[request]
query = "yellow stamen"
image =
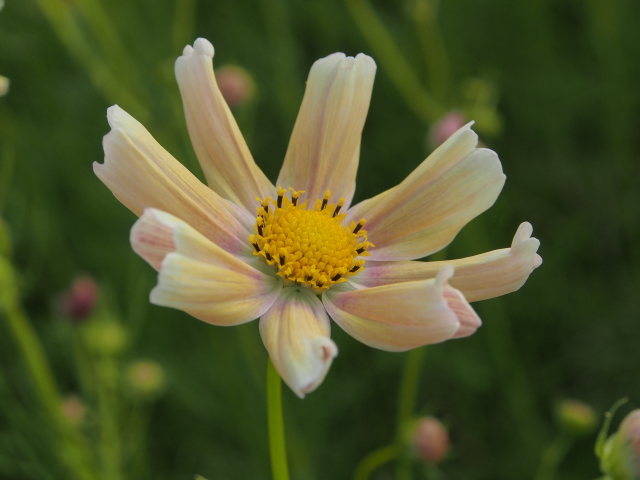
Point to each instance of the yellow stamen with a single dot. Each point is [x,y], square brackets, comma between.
[311,248]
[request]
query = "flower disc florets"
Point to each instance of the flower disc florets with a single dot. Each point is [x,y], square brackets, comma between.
[309,247]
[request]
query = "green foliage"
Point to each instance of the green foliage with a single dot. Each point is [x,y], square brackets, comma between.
[562,75]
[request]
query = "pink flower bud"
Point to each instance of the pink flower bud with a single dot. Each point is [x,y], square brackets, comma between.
[235,84]
[73,409]
[630,433]
[431,440]
[446,126]
[78,302]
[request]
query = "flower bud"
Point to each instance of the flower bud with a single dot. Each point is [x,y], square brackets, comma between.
[73,409]
[78,302]
[235,84]
[445,127]
[576,416]
[106,337]
[4,86]
[145,377]
[430,440]
[621,455]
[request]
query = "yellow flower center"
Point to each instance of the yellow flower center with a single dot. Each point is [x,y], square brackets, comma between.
[309,247]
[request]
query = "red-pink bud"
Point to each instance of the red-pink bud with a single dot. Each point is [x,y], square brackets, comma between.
[78,302]
[446,126]
[430,440]
[235,84]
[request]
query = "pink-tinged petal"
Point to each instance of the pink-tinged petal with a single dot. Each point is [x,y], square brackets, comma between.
[296,332]
[324,149]
[210,284]
[468,318]
[396,317]
[480,277]
[421,215]
[152,236]
[142,174]
[220,147]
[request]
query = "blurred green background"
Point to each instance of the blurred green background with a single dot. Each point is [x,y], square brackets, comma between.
[553,87]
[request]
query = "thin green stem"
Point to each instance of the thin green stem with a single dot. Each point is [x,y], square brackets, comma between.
[69,444]
[390,57]
[553,455]
[61,18]
[281,40]
[409,388]
[184,19]
[407,405]
[375,460]
[277,445]
[425,16]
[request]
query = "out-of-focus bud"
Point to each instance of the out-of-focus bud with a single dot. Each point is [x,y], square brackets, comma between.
[480,99]
[106,337]
[620,459]
[74,409]
[445,127]
[576,416]
[145,377]
[235,84]
[4,86]
[78,302]
[430,440]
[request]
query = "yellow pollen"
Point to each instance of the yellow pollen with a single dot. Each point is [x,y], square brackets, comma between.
[309,247]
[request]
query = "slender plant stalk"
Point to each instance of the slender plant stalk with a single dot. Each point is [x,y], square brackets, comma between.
[281,40]
[390,57]
[101,75]
[184,19]
[425,16]
[277,445]
[69,444]
[375,460]
[407,405]
[553,455]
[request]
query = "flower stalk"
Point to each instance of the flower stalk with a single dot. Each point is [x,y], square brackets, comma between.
[70,447]
[277,444]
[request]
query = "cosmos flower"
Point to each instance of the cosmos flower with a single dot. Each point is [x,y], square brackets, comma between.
[298,252]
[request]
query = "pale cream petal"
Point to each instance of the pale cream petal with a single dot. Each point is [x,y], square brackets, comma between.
[424,213]
[480,277]
[220,147]
[324,148]
[296,332]
[396,317]
[142,174]
[210,284]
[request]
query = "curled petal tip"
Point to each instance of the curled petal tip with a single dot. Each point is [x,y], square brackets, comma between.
[203,47]
[525,230]
[187,51]
[326,350]
[537,261]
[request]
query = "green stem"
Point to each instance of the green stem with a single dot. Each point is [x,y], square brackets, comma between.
[425,16]
[276,425]
[553,455]
[390,57]
[375,460]
[407,404]
[281,40]
[69,444]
